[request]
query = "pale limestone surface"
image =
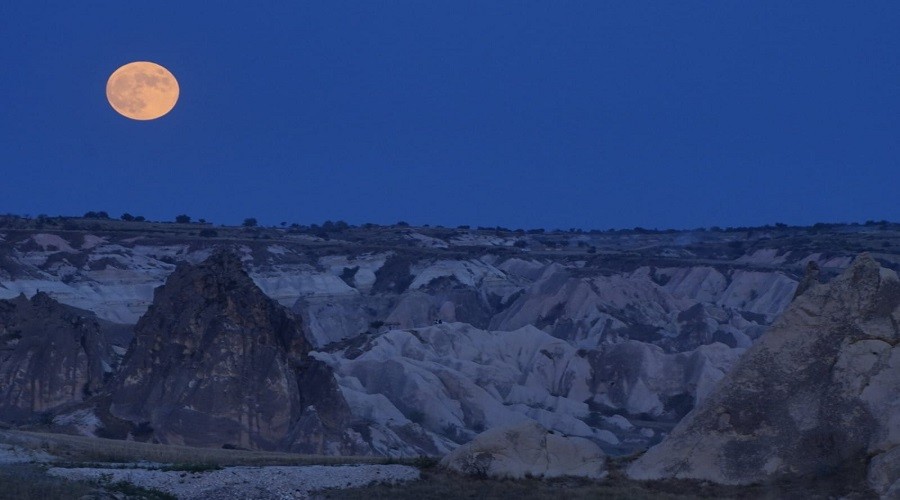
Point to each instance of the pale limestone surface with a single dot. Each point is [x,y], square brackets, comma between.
[528,449]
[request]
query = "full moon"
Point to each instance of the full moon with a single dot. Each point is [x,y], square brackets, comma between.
[142,90]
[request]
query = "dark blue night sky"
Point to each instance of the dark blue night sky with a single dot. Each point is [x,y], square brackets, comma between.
[522,114]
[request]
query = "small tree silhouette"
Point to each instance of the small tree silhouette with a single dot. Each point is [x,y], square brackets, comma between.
[250,222]
[183,219]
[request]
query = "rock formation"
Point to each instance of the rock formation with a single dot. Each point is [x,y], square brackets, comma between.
[454,381]
[50,355]
[640,379]
[590,332]
[818,396]
[214,362]
[810,277]
[527,449]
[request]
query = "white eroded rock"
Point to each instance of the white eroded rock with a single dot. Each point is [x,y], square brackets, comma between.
[528,449]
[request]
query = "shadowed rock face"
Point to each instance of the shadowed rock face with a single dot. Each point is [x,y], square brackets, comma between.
[816,396]
[215,362]
[642,380]
[50,355]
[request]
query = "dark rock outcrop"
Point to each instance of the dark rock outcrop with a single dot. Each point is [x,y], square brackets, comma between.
[810,278]
[51,355]
[214,362]
[818,396]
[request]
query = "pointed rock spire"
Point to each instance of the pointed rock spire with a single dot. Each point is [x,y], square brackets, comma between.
[215,362]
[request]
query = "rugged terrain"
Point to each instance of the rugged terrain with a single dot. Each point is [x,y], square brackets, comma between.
[433,335]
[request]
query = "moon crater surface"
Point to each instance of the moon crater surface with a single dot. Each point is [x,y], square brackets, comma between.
[142,90]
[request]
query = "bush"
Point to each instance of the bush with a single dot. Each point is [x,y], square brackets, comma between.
[335,226]
[476,464]
[183,219]
[250,222]
[127,217]
[425,462]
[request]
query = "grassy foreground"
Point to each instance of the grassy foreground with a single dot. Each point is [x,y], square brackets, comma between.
[439,484]
[24,481]
[92,449]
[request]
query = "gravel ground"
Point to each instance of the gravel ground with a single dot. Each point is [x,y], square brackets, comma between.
[272,482]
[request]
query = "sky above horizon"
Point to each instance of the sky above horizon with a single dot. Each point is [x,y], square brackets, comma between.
[527,114]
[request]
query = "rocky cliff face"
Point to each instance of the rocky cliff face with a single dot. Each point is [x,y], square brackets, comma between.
[51,355]
[816,396]
[214,362]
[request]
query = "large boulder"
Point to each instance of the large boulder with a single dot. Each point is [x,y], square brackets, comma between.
[527,449]
[815,397]
[215,362]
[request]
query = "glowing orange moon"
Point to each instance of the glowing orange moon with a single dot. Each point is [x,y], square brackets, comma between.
[142,90]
